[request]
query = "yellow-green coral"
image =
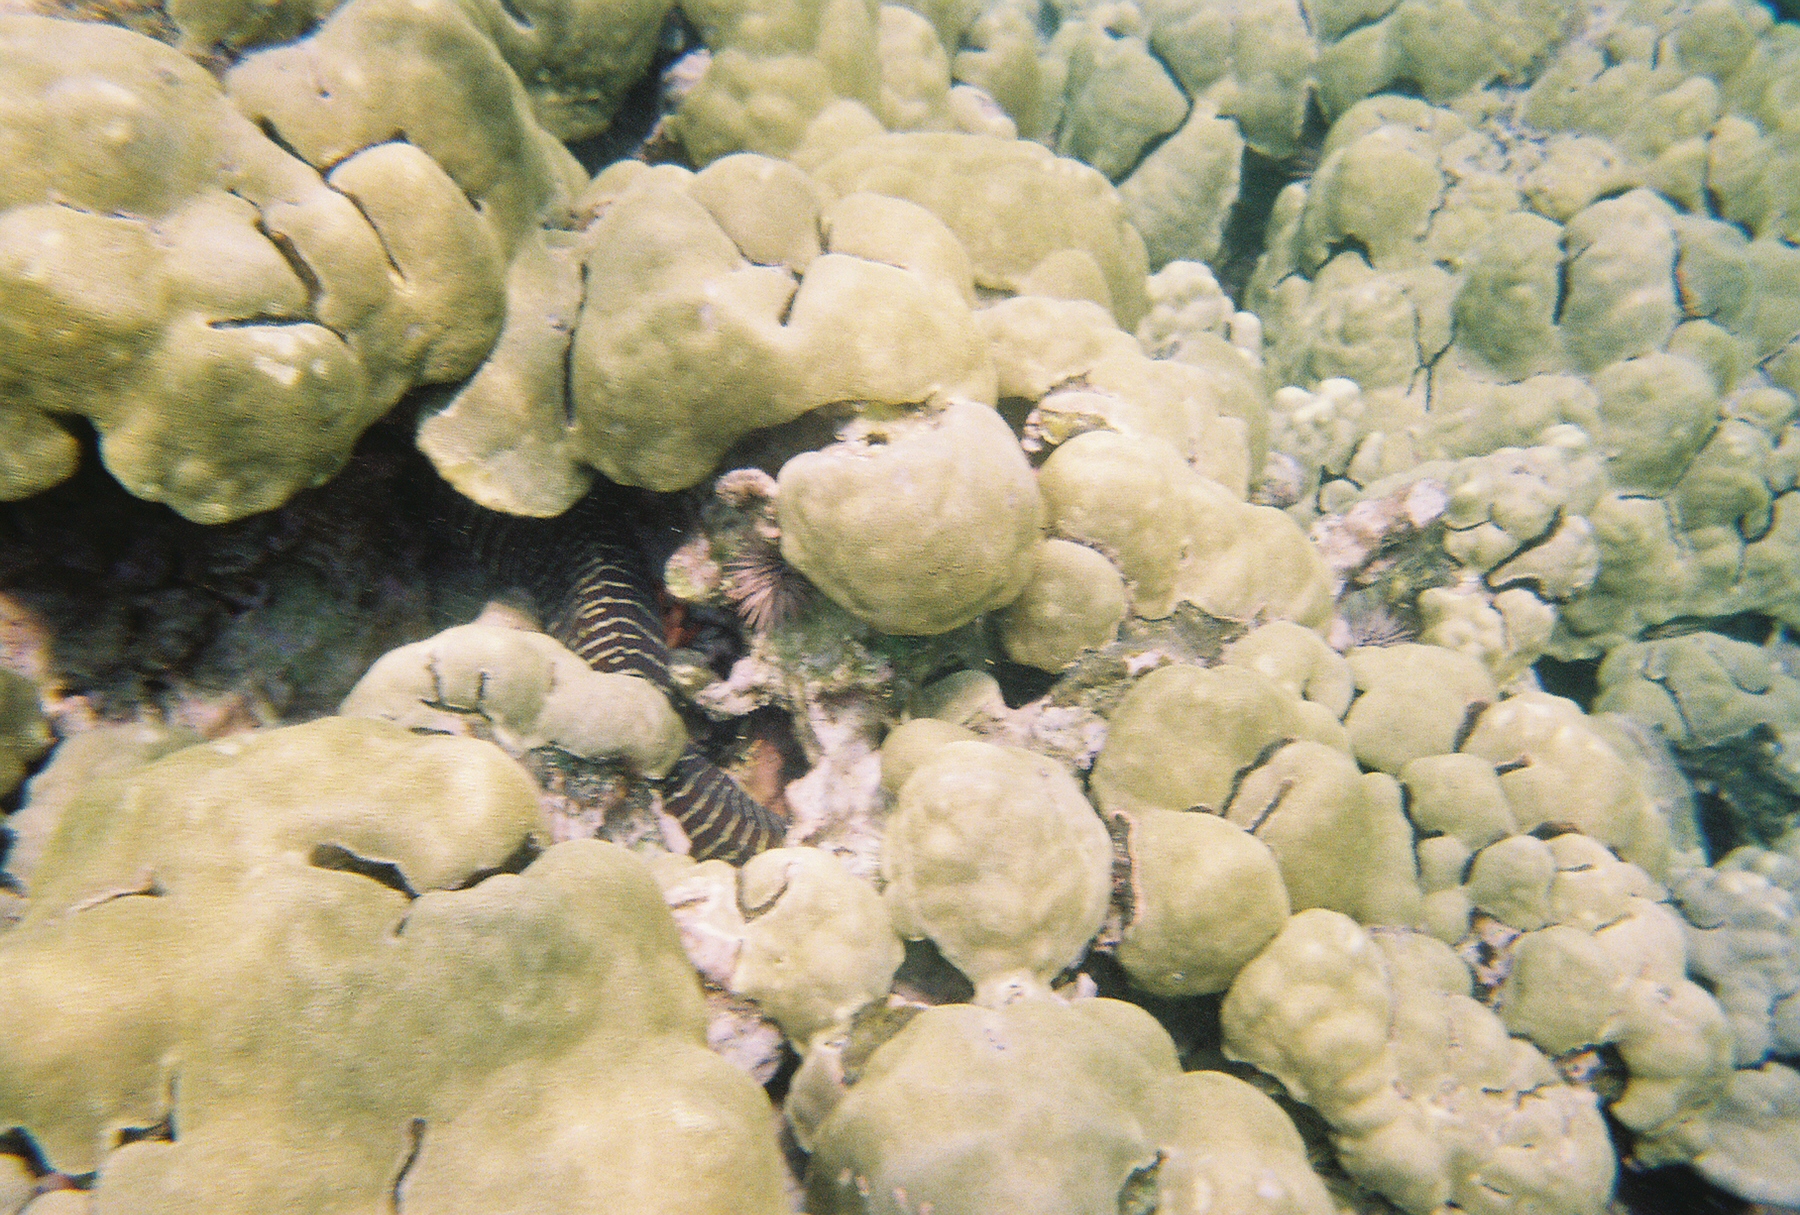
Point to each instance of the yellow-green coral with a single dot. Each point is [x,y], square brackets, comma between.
[1054,1108]
[1074,601]
[305,951]
[710,305]
[1182,734]
[1603,961]
[1340,835]
[1414,701]
[776,65]
[1034,212]
[995,855]
[1743,939]
[229,317]
[1744,1142]
[1206,896]
[818,944]
[1569,311]
[1561,770]
[1429,1101]
[24,734]
[523,690]
[1178,536]
[1083,373]
[916,526]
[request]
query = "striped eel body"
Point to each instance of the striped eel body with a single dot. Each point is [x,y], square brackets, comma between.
[593,585]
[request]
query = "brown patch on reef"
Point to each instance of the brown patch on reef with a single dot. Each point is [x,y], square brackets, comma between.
[582,799]
[678,630]
[1099,678]
[770,758]
[147,17]
[761,774]
[1364,619]
[24,641]
[1487,950]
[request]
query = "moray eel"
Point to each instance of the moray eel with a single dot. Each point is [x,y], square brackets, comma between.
[594,586]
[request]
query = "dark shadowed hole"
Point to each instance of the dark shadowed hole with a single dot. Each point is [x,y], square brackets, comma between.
[777,1085]
[770,448]
[1578,680]
[1016,410]
[261,320]
[274,136]
[1260,179]
[341,859]
[1673,1190]
[1138,1196]
[1192,1022]
[1551,830]
[11,802]
[1562,283]
[1720,830]
[1349,244]
[569,404]
[638,110]
[1753,627]
[162,1132]
[517,861]
[1471,715]
[796,1156]
[925,972]
[17,1142]
[1245,235]
[1676,1190]
[1020,684]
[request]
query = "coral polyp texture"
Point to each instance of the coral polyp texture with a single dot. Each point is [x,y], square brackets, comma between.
[253,945]
[1171,606]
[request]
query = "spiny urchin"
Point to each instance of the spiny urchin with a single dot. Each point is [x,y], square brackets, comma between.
[1364,620]
[766,591]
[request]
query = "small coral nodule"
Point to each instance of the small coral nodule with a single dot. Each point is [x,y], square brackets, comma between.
[766,591]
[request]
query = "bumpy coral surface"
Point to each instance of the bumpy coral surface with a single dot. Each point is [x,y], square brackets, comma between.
[524,691]
[1041,1106]
[1430,1102]
[997,857]
[1347,645]
[271,948]
[1743,933]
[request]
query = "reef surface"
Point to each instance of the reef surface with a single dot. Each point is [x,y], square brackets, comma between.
[1015,605]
